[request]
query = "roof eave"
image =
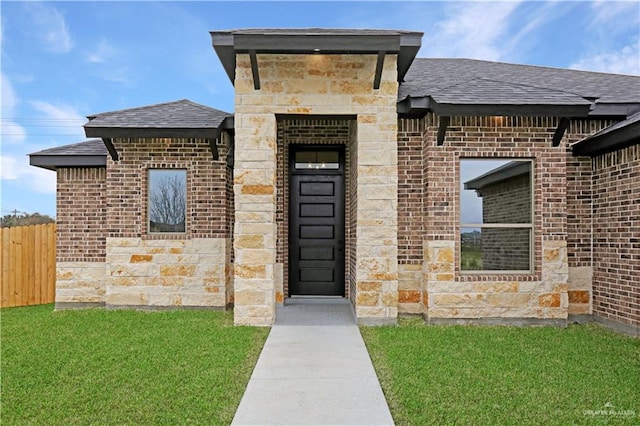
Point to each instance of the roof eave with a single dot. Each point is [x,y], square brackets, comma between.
[517,168]
[420,105]
[608,110]
[608,142]
[513,110]
[142,132]
[54,162]
[227,45]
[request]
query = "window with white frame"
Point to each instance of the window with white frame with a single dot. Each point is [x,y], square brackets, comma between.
[167,190]
[496,215]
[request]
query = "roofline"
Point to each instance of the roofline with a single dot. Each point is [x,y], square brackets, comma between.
[507,171]
[54,162]
[227,44]
[601,143]
[138,132]
[161,104]
[420,105]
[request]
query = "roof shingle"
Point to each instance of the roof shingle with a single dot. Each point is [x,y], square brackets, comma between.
[182,114]
[433,77]
[88,147]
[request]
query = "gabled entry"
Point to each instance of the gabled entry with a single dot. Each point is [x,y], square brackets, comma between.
[316,221]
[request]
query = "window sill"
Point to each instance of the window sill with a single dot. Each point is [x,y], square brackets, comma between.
[497,276]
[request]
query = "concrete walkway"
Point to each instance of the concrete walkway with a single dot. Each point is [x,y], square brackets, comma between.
[314,370]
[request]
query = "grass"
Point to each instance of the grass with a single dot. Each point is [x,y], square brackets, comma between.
[123,367]
[470,257]
[453,375]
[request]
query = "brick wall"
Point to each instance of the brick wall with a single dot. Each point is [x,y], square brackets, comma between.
[579,217]
[127,186]
[495,137]
[410,215]
[541,294]
[81,215]
[81,219]
[616,235]
[182,269]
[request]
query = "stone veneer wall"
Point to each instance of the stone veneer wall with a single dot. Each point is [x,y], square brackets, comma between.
[315,85]
[81,236]
[456,297]
[616,237]
[308,132]
[165,270]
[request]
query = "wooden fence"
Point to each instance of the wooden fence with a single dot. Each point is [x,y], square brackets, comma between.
[28,263]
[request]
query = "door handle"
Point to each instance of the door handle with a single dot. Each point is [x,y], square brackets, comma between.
[340,247]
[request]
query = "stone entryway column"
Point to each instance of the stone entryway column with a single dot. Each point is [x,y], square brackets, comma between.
[377,216]
[316,85]
[255,213]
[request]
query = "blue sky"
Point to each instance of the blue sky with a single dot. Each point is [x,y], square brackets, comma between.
[62,61]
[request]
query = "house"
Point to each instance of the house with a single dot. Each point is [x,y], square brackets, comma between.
[350,168]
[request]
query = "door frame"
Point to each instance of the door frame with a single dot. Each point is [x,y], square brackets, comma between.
[341,171]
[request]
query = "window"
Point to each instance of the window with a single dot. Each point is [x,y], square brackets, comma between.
[167,200]
[317,160]
[496,215]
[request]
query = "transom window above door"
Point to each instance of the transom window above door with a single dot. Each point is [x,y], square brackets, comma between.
[321,159]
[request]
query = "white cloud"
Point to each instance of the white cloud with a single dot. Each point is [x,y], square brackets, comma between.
[34,178]
[623,61]
[106,53]
[472,30]
[621,13]
[63,119]
[12,132]
[103,53]
[49,25]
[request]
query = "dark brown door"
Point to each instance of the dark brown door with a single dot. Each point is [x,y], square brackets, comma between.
[316,234]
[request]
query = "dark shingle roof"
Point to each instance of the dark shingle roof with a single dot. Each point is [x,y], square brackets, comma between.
[314,31]
[89,147]
[90,153]
[182,114]
[450,77]
[487,91]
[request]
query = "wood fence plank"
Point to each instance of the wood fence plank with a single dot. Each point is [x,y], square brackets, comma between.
[51,263]
[47,287]
[4,232]
[37,264]
[24,248]
[28,265]
[24,266]
[16,248]
[12,268]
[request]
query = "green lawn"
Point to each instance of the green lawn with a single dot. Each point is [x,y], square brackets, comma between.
[470,257]
[123,367]
[584,374]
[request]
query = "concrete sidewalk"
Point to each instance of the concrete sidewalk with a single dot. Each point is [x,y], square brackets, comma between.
[314,370]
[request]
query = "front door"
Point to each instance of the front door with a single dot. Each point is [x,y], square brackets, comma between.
[316,230]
